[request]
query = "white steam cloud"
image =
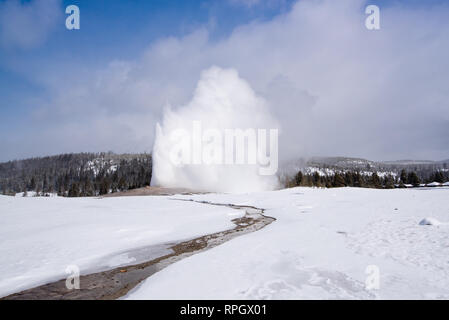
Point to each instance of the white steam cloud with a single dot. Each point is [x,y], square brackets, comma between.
[222,101]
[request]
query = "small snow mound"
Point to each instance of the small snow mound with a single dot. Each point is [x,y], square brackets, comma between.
[434,184]
[429,222]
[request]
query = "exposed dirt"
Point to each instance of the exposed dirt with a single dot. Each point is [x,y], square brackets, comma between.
[116,283]
[152,191]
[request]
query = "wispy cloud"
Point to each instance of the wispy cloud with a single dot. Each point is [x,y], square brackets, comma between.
[246,3]
[27,24]
[335,87]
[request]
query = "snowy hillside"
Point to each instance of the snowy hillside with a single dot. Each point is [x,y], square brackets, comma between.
[330,165]
[76,174]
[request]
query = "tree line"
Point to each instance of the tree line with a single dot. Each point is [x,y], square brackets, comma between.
[75,175]
[350,178]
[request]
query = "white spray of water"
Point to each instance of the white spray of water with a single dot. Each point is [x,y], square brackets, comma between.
[222,101]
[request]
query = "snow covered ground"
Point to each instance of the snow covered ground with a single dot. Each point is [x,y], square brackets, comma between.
[325,244]
[41,236]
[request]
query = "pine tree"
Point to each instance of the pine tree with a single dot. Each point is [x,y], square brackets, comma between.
[104,187]
[298,178]
[316,179]
[88,189]
[438,177]
[356,178]
[404,179]
[349,181]
[375,180]
[61,192]
[74,190]
[33,184]
[338,180]
[38,189]
[389,182]
[413,179]
[122,183]
[44,185]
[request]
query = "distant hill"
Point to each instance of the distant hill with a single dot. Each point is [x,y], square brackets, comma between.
[76,174]
[328,166]
[411,162]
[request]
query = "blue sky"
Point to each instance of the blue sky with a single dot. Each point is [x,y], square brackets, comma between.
[113,29]
[43,62]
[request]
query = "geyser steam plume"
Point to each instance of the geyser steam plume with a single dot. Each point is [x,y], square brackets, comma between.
[191,150]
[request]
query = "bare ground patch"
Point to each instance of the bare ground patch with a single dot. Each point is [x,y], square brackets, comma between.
[151,191]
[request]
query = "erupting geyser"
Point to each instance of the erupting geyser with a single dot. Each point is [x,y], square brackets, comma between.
[223,140]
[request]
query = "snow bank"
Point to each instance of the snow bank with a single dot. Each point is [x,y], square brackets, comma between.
[433,184]
[34,194]
[429,222]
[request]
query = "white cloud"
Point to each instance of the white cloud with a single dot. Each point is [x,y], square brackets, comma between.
[27,24]
[246,3]
[336,87]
